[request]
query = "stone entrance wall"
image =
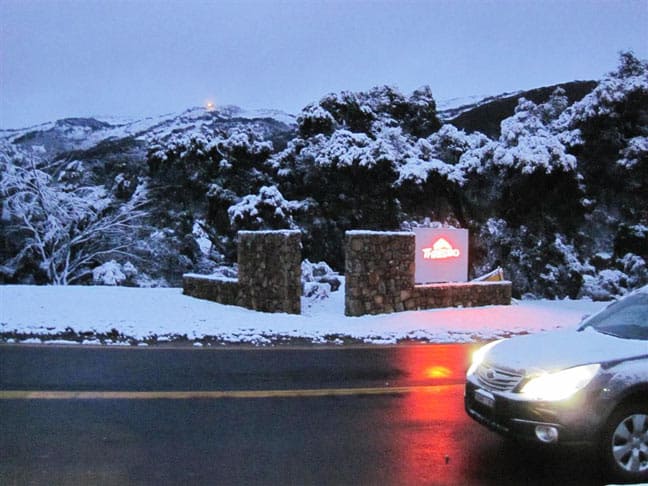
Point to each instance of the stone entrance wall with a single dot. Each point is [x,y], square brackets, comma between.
[379,270]
[269,278]
[270,270]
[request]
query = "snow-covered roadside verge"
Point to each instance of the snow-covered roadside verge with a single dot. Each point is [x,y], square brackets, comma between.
[120,315]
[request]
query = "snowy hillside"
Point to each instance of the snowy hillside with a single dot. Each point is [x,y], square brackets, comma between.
[453,107]
[484,114]
[78,134]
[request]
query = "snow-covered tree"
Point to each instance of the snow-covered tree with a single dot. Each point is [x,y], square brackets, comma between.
[349,111]
[421,119]
[527,176]
[429,182]
[528,142]
[313,120]
[266,210]
[66,232]
[607,131]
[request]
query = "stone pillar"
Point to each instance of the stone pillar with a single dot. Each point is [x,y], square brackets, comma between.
[379,271]
[269,276]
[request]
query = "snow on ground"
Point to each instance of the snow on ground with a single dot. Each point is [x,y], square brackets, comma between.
[123,315]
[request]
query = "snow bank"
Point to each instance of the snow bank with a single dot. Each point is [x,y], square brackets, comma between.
[139,313]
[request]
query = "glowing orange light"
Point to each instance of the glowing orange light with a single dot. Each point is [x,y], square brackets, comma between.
[210,106]
[441,249]
[438,372]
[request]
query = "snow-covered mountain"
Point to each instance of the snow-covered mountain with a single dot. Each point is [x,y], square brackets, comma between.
[451,108]
[484,114]
[79,134]
[471,113]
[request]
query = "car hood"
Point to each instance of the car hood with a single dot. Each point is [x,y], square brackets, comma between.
[556,350]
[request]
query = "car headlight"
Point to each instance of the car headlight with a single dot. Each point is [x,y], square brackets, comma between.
[479,355]
[559,385]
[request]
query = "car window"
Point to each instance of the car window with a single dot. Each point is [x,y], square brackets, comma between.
[627,318]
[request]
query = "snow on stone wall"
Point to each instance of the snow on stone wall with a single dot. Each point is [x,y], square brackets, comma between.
[380,279]
[269,274]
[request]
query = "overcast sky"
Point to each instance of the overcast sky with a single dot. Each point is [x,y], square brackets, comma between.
[65,58]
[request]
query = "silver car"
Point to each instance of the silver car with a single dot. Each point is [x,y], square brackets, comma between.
[583,385]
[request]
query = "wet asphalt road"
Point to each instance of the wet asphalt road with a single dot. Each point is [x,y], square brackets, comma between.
[388,415]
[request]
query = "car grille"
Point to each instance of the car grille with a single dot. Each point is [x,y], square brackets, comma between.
[497,378]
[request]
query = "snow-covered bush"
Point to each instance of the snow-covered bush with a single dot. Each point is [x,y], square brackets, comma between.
[314,120]
[422,161]
[114,273]
[527,176]
[631,238]
[636,269]
[73,174]
[169,254]
[349,110]
[611,93]
[607,284]
[268,210]
[536,263]
[314,291]
[225,271]
[450,144]
[612,281]
[421,119]
[125,185]
[108,274]
[318,280]
[529,142]
[351,175]
[320,272]
[607,131]
[635,153]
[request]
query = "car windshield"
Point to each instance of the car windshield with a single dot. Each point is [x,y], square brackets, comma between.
[627,318]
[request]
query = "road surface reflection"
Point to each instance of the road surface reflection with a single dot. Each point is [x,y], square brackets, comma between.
[433,445]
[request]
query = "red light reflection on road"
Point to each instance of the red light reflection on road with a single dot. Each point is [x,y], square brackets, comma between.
[438,372]
[428,452]
[434,364]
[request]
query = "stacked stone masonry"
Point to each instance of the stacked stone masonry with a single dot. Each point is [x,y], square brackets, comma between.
[379,266]
[379,272]
[269,278]
[270,271]
[221,290]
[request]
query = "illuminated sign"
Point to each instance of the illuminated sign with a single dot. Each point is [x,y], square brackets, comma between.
[441,255]
[440,249]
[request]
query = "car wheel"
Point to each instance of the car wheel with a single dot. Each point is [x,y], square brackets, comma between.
[625,443]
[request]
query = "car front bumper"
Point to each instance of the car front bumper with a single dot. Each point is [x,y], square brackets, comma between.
[576,420]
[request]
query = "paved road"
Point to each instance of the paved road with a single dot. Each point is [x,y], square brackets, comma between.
[366,415]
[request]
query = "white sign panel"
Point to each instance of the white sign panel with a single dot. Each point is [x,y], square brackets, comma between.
[441,255]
